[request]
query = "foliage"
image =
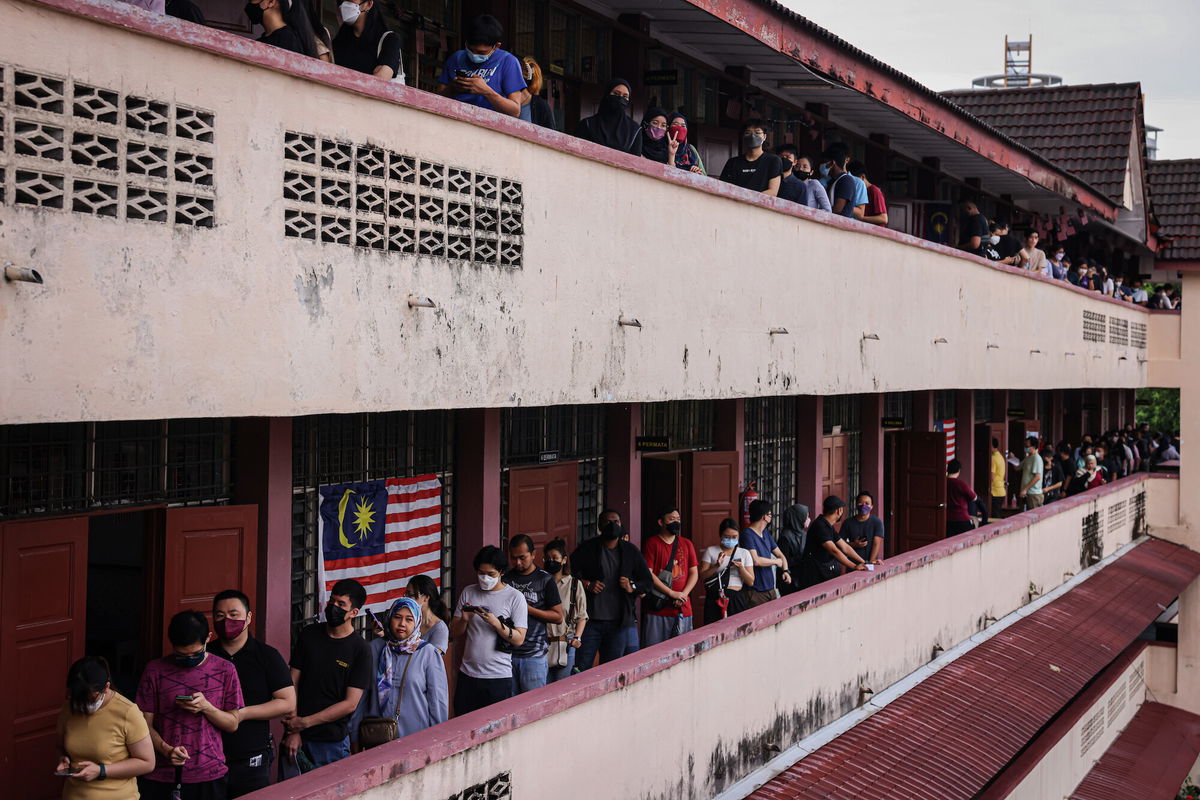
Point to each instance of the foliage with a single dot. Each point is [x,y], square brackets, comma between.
[1189,791]
[1159,407]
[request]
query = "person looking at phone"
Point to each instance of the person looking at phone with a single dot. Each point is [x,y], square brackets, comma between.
[483,74]
[863,531]
[103,739]
[189,698]
[493,617]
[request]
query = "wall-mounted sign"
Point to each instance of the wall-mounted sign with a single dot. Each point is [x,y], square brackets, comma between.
[1016,413]
[547,456]
[652,444]
[893,422]
[660,77]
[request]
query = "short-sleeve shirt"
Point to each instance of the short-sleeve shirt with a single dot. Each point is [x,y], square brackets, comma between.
[161,682]
[102,738]
[870,529]
[876,203]
[958,500]
[754,175]
[998,470]
[608,604]
[438,636]
[792,188]
[1030,467]
[365,54]
[541,592]
[261,672]
[820,532]
[658,555]
[328,667]
[501,72]
[284,38]
[847,187]
[740,556]
[481,657]
[764,546]
[977,225]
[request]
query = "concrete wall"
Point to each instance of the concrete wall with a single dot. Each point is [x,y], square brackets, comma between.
[1165,349]
[145,319]
[686,718]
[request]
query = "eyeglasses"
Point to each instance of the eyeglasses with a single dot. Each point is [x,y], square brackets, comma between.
[656,124]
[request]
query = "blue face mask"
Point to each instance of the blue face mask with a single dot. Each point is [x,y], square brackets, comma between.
[728,543]
[478,59]
[824,170]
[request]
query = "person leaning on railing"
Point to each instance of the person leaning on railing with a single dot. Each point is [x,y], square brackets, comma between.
[364,44]
[285,25]
[482,74]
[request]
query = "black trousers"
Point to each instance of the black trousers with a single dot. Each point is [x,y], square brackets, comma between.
[244,779]
[160,790]
[471,694]
[955,528]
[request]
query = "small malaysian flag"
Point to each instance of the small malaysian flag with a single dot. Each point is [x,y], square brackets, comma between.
[948,429]
[381,534]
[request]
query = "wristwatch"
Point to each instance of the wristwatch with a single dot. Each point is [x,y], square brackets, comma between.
[103,773]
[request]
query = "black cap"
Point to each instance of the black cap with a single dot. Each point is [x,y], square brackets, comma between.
[832,504]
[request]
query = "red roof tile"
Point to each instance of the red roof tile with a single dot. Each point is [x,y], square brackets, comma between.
[1175,187]
[1150,758]
[948,736]
[1085,130]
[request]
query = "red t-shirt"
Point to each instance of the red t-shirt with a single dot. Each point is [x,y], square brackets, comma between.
[657,553]
[876,205]
[958,495]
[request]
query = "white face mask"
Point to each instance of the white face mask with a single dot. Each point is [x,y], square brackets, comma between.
[92,708]
[488,582]
[349,12]
[1058,256]
[994,239]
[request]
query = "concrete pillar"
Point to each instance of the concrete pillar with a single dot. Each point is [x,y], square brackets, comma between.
[964,439]
[729,432]
[810,430]
[623,465]
[476,487]
[871,467]
[262,461]
[923,410]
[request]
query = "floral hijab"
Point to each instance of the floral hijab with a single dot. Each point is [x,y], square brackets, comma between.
[389,657]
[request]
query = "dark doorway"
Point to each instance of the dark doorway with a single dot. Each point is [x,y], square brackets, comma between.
[118,595]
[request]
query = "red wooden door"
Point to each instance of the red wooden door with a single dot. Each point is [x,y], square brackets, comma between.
[920,481]
[43,566]
[984,433]
[206,550]
[835,467]
[542,503]
[710,492]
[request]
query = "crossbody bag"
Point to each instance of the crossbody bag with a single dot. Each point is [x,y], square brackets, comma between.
[374,731]
[656,600]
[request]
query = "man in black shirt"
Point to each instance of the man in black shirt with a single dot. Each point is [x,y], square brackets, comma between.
[529,666]
[266,689]
[331,667]
[975,228]
[825,548]
[1008,246]
[753,169]
[790,187]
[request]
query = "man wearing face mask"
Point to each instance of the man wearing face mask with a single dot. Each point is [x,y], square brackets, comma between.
[331,667]
[188,698]
[863,531]
[614,575]
[674,570]
[483,74]
[846,192]
[765,555]
[991,247]
[825,548]
[754,169]
[266,688]
[364,43]
[791,186]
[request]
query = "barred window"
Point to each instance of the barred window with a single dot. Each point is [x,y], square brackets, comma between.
[984,405]
[945,404]
[899,404]
[688,424]
[771,449]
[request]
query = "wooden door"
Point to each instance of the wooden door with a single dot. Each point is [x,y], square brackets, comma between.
[542,503]
[835,467]
[984,433]
[43,566]
[710,490]
[206,550]
[661,487]
[920,488]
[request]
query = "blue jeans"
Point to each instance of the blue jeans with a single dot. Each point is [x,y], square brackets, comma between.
[322,753]
[657,629]
[607,637]
[528,673]
[558,673]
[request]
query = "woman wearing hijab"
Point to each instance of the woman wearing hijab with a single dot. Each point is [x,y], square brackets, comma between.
[611,126]
[1088,477]
[665,141]
[409,677]
[791,540]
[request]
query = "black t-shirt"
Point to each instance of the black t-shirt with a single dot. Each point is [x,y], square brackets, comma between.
[185,9]
[541,592]
[819,532]
[755,175]
[262,672]
[363,53]
[607,605]
[977,225]
[792,188]
[327,668]
[867,529]
[1008,247]
[285,39]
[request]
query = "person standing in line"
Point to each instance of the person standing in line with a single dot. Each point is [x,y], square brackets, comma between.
[825,549]
[755,169]
[491,619]
[725,570]
[1052,477]
[433,611]
[537,110]
[959,497]
[791,187]
[792,536]
[266,689]
[846,192]
[876,210]
[997,470]
[816,197]
[975,228]
[529,666]
[1031,257]
[566,637]
[1031,475]
[765,553]
[331,668]
[674,572]
[482,74]
[611,125]
[103,740]
[189,698]
[614,574]
[363,43]
[863,531]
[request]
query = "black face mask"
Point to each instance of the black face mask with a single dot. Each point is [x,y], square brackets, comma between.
[189,661]
[554,567]
[334,615]
[614,104]
[674,528]
[255,13]
[802,175]
[611,532]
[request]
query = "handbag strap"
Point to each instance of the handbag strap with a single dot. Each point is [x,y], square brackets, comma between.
[404,677]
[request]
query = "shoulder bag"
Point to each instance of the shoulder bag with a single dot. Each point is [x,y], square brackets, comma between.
[656,600]
[374,731]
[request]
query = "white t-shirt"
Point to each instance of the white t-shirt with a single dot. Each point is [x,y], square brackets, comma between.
[740,556]
[481,657]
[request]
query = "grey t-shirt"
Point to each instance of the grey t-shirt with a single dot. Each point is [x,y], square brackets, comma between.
[607,604]
[481,657]
[438,636]
[541,592]
[1032,466]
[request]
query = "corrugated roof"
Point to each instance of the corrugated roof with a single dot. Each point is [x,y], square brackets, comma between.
[1150,758]
[1085,130]
[953,732]
[1175,187]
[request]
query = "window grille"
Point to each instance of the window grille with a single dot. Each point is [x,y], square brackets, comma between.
[843,410]
[984,405]
[687,423]
[1094,326]
[945,404]
[771,449]
[1137,335]
[899,404]
[1118,331]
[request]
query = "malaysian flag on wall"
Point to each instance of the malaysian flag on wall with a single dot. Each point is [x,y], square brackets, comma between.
[381,533]
[947,426]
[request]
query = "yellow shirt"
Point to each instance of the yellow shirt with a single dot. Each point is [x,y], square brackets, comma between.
[103,738]
[999,469]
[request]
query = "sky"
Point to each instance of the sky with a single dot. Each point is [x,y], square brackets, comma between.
[945,44]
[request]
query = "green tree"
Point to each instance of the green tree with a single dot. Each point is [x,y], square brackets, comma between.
[1159,407]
